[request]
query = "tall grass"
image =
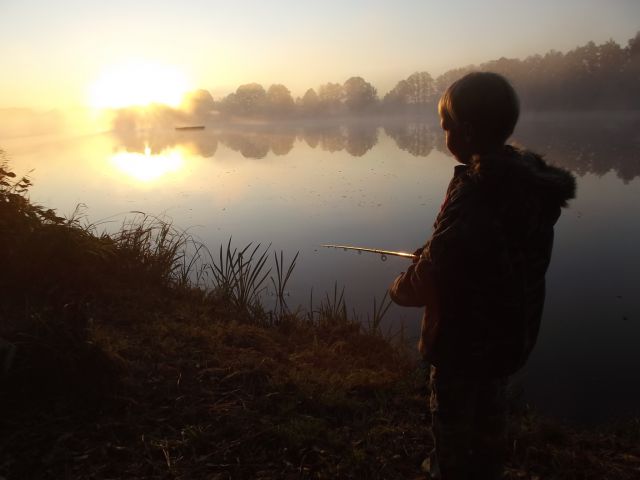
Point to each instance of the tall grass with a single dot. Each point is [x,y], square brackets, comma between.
[379,311]
[280,283]
[154,245]
[333,308]
[239,274]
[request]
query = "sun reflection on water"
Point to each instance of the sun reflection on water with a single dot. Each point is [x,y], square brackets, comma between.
[148,167]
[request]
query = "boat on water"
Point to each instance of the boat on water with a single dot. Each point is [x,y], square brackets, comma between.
[191,127]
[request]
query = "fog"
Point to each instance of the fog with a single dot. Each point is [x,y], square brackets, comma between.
[26,122]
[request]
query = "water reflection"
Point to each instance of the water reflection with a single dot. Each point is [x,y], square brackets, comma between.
[418,139]
[355,138]
[258,144]
[161,139]
[360,139]
[587,145]
[592,145]
[332,138]
[147,167]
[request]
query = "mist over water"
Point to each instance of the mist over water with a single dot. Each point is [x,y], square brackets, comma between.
[380,185]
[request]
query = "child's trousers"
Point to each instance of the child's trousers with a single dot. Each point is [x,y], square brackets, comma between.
[469,419]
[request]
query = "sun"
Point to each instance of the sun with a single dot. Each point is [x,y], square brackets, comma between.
[138,84]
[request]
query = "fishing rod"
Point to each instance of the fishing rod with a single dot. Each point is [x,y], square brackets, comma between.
[383,253]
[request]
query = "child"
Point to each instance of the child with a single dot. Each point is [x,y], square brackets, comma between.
[481,275]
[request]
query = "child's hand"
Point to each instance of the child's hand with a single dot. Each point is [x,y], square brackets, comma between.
[416,255]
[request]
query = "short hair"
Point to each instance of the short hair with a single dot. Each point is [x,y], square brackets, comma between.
[485,100]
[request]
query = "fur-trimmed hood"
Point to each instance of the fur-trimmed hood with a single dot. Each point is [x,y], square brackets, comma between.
[525,172]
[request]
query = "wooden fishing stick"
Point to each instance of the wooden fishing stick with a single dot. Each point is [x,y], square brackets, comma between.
[383,253]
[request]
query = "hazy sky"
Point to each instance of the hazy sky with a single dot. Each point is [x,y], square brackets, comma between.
[52,51]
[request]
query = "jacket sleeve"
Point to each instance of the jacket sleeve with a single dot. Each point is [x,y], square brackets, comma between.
[461,232]
[410,288]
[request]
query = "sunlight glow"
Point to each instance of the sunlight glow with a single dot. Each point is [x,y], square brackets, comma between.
[148,167]
[138,84]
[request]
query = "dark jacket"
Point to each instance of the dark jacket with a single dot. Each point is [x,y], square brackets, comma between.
[481,275]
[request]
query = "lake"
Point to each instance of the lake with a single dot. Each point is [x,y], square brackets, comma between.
[381,185]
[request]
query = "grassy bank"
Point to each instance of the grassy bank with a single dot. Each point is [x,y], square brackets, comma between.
[125,366]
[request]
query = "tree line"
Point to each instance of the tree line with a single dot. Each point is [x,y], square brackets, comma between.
[589,77]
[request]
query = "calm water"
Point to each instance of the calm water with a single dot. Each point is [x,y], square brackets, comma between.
[382,186]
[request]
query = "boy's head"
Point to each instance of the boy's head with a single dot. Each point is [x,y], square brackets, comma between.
[478,114]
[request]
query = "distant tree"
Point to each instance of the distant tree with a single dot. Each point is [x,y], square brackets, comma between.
[632,72]
[614,63]
[578,70]
[450,76]
[395,101]
[416,93]
[359,95]
[611,57]
[421,89]
[250,99]
[228,105]
[396,97]
[633,45]
[278,100]
[549,81]
[200,103]
[309,103]
[330,96]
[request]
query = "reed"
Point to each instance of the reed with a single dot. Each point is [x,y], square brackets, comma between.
[240,274]
[379,311]
[333,309]
[280,283]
